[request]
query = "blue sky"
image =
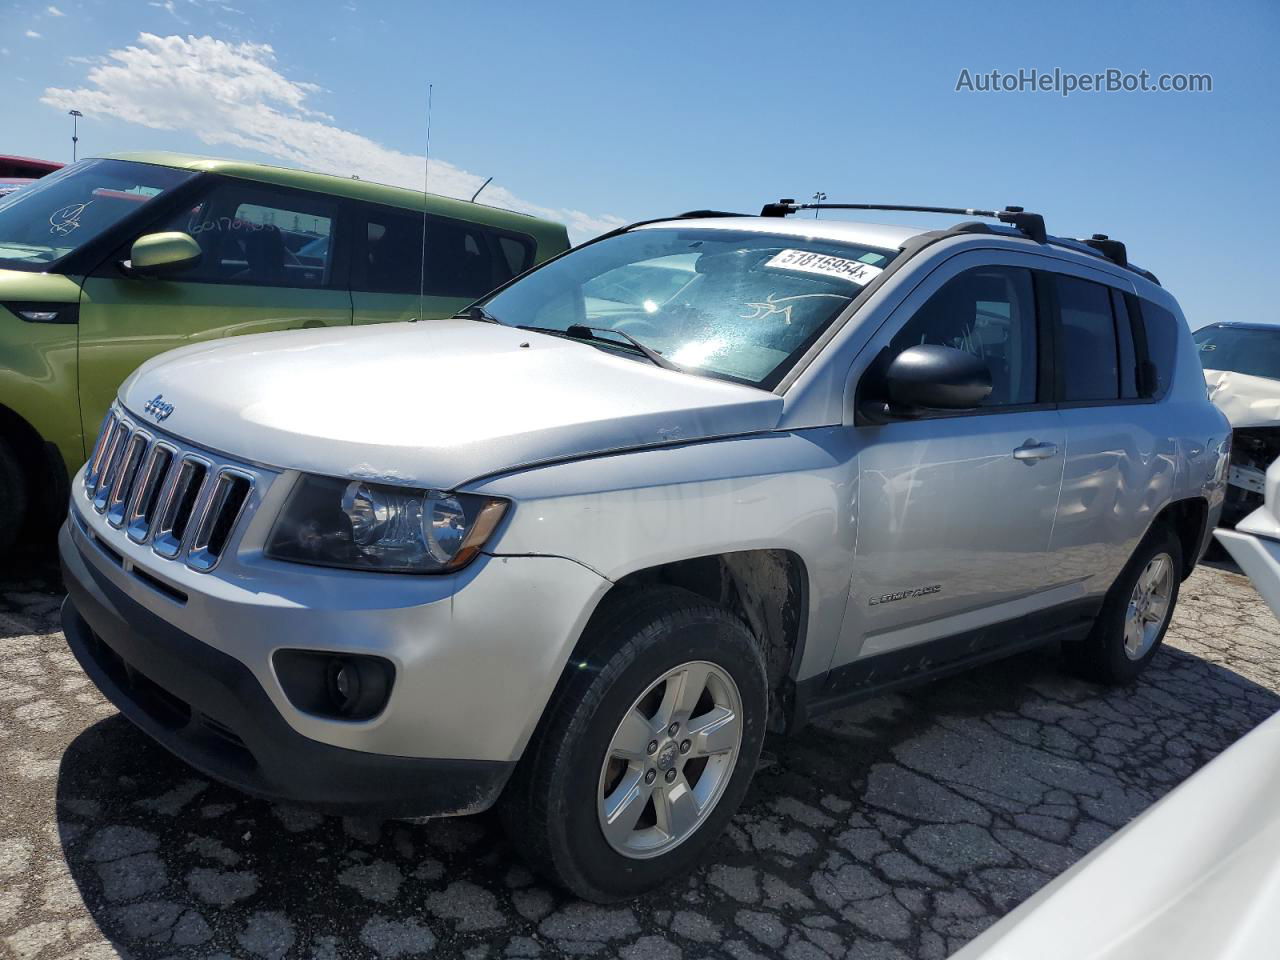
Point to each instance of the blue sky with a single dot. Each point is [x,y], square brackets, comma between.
[598,113]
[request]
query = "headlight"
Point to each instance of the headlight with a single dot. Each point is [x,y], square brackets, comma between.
[345,523]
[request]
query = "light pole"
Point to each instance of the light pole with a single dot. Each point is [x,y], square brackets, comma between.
[818,197]
[75,130]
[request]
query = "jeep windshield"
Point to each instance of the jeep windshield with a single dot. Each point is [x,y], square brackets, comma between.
[735,304]
[1254,351]
[46,220]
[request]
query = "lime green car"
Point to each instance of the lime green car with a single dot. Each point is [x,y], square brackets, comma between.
[111,261]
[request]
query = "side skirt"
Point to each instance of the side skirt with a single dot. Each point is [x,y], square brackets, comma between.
[926,662]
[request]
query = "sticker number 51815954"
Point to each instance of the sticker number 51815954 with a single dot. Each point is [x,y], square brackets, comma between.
[805,261]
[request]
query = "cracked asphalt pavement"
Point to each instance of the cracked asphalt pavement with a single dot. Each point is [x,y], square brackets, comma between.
[898,828]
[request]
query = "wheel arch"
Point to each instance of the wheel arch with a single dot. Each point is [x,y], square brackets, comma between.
[42,465]
[767,589]
[1188,518]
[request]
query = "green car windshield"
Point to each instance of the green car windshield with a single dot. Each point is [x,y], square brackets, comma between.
[740,305]
[45,221]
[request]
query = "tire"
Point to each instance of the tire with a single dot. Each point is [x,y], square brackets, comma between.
[13,498]
[1111,655]
[637,653]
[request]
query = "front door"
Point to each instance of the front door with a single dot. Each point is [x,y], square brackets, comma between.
[267,265]
[955,511]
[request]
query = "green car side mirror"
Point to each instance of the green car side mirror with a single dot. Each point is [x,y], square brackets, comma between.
[161,254]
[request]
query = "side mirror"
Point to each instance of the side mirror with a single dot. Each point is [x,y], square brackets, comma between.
[162,254]
[931,377]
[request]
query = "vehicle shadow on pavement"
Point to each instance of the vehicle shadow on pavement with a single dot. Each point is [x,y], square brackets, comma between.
[901,827]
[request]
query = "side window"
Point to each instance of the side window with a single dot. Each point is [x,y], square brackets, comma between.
[1089,354]
[388,255]
[1161,332]
[462,259]
[517,255]
[989,312]
[256,235]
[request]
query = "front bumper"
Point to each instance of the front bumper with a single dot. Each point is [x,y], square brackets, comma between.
[210,710]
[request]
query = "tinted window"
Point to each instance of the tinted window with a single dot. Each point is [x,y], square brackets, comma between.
[260,236]
[462,259]
[1246,350]
[989,312]
[1089,354]
[1161,328]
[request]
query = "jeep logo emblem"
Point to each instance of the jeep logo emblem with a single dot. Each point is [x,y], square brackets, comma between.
[157,408]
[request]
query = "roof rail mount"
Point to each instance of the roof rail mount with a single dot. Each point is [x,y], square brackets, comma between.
[1113,250]
[1030,224]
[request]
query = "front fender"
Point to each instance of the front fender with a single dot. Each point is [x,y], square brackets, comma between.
[629,512]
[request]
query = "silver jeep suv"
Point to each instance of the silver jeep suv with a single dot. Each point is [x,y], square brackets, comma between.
[576,551]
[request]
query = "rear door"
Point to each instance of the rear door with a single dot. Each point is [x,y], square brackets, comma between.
[955,510]
[1120,459]
[268,264]
[394,277]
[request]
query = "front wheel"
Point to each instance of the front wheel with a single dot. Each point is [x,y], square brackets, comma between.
[1136,613]
[647,749]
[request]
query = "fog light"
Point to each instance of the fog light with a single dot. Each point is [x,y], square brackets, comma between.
[341,686]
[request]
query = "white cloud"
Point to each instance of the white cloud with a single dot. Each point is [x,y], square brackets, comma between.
[33,35]
[54,11]
[168,6]
[230,94]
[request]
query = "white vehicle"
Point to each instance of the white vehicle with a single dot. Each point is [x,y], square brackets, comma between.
[1242,370]
[1214,896]
[1255,542]
[578,549]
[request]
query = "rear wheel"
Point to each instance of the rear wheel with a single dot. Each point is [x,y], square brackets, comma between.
[1136,613]
[646,751]
[13,497]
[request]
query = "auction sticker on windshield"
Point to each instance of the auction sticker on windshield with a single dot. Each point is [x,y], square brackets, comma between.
[825,265]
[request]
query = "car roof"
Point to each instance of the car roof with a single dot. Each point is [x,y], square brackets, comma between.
[881,235]
[351,188]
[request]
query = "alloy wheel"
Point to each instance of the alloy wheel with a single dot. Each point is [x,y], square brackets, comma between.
[1148,606]
[670,760]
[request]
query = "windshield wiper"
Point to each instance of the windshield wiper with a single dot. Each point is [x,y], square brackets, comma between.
[585,332]
[477,312]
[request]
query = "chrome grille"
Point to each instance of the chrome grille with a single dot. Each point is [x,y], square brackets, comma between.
[183,504]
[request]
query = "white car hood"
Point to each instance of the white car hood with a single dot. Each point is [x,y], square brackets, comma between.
[1247,401]
[432,404]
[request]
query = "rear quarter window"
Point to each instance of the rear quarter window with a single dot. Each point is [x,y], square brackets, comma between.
[1161,330]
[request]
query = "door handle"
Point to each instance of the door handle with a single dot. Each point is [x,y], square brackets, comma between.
[1030,451]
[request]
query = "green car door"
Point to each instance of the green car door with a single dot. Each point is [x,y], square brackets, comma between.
[265,263]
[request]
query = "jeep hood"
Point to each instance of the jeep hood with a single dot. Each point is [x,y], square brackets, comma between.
[1246,400]
[433,404]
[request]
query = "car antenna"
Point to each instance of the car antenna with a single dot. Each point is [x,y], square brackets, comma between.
[482,186]
[426,175]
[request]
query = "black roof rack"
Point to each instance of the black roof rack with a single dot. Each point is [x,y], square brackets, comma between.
[704,214]
[1031,224]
